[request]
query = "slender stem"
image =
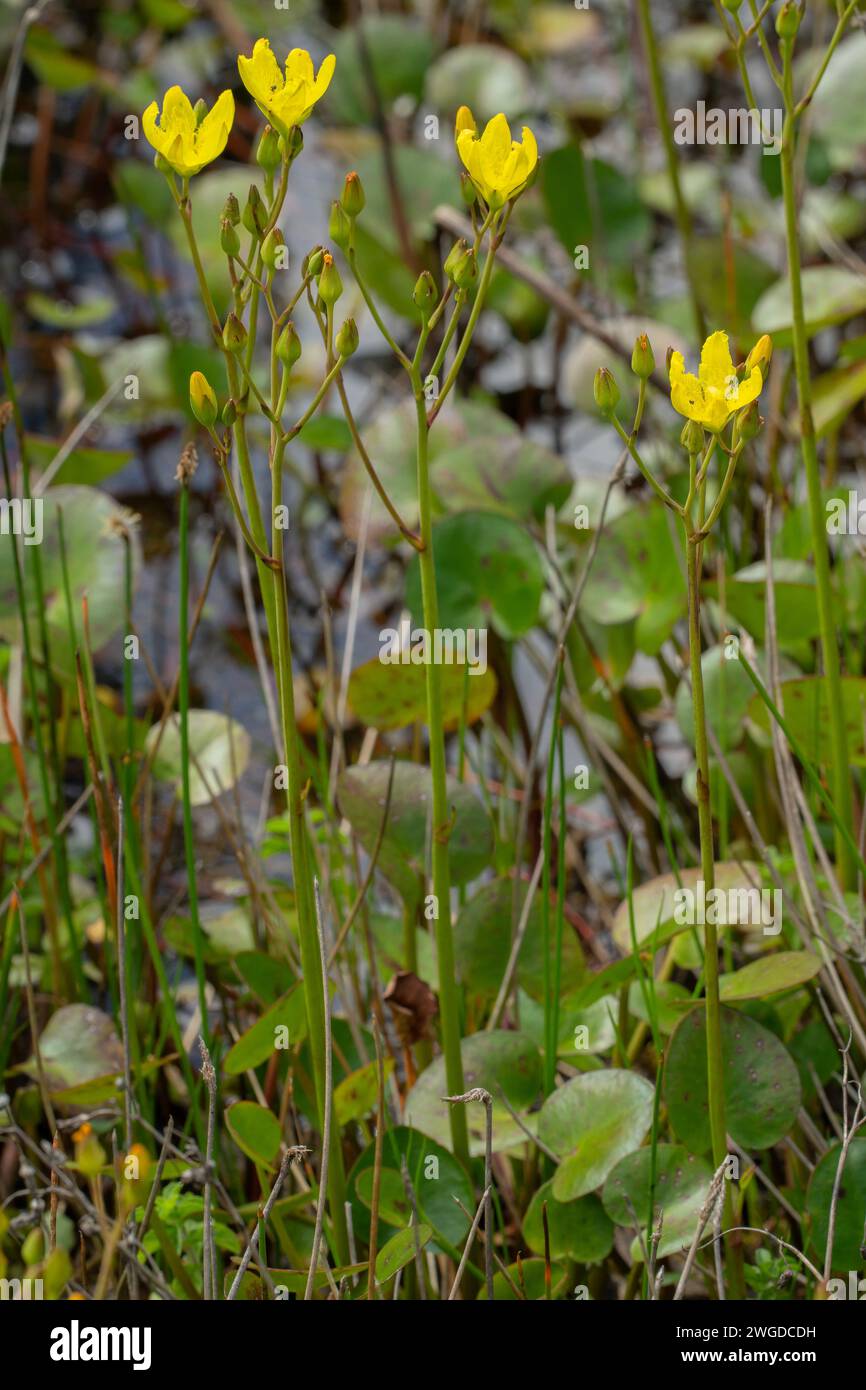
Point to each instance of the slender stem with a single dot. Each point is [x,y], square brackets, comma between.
[448,996]
[841,780]
[185,762]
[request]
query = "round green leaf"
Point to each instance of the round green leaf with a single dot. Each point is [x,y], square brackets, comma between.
[682,1181]
[78,1043]
[807,715]
[496,1061]
[436,1177]
[95,561]
[578,1230]
[362,794]
[848,1240]
[482,942]
[488,573]
[762,1086]
[391,695]
[637,574]
[772,974]
[255,1130]
[654,903]
[591,1123]
[220,748]
[483,76]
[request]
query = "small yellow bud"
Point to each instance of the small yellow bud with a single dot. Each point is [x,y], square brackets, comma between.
[202,400]
[642,359]
[353,197]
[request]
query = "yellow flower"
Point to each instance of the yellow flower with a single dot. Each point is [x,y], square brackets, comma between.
[716,393]
[285,101]
[497,165]
[184,141]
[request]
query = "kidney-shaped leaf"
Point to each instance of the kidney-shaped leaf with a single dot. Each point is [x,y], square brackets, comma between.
[847,1242]
[591,1123]
[578,1230]
[362,794]
[762,1085]
[681,1185]
[496,1061]
[255,1130]
[220,749]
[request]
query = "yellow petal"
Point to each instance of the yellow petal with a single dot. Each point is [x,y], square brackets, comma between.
[177,112]
[151,129]
[717,368]
[465,121]
[324,75]
[529,145]
[213,133]
[299,68]
[687,395]
[495,148]
[260,74]
[750,389]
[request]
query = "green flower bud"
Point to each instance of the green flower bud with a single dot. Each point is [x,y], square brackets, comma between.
[330,284]
[200,110]
[732,6]
[353,196]
[425,293]
[643,361]
[230,412]
[465,272]
[268,154]
[788,21]
[231,210]
[455,255]
[288,346]
[295,143]
[234,334]
[229,239]
[339,226]
[255,216]
[202,400]
[747,424]
[273,250]
[312,264]
[606,391]
[692,438]
[347,339]
[468,191]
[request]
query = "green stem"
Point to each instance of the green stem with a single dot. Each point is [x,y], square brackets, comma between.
[841,780]
[448,995]
[185,762]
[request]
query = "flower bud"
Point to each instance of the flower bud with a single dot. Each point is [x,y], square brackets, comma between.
[295,143]
[268,154]
[339,226]
[692,438]
[353,196]
[458,250]
[202,400]
[606,391]
[312,264]
[330,284]
[425,293]
[288,346]
[747,425]
[273,250]
[229,239]
[230,412]
[200,110]
[468,191]
[231,210]
[465,272]
[760,356]
[643,361]
[347,339]
[254,217]
[732,6]
[788,20]
[234,334]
